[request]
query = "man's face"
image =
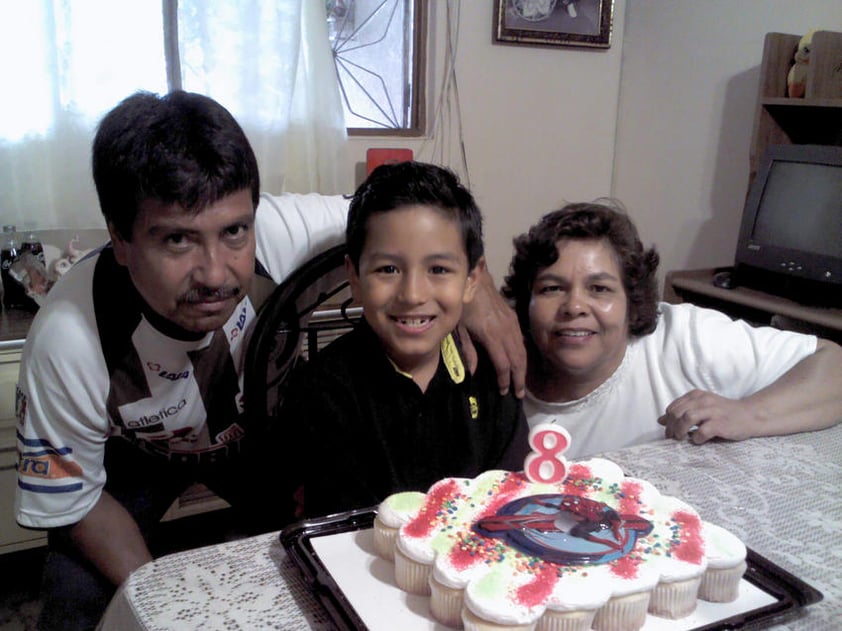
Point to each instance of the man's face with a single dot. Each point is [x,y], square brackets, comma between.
[413,280]
[191,269]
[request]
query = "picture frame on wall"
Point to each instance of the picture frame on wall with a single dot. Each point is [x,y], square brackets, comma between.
[585,23]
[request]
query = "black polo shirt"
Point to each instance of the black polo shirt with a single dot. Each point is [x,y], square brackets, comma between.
[362,430]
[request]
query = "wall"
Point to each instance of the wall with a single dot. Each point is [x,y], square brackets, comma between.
[662,120]
[538,122]
[688,92]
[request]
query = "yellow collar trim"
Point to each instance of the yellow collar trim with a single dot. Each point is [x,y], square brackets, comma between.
[452,360]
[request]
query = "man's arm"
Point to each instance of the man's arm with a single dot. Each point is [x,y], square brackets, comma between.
[491,322]
[110,539]
[292,228]
[807,397]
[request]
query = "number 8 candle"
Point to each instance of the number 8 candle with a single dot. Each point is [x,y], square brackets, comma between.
[545,463]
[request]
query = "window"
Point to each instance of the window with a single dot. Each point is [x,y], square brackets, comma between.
[378,49]
[70,61]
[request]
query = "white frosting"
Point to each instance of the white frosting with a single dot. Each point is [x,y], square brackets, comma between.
[449,576]
[645,580]
[573,593]
[724,550]
[605,469]
[671,568]
[414,550]
[488,597]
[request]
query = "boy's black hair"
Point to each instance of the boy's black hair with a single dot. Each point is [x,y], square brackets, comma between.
[537,250]
[393,186]
[181,148]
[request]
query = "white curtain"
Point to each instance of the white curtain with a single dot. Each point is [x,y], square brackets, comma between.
[67,62]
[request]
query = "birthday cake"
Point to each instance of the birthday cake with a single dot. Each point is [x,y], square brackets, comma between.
[563,549]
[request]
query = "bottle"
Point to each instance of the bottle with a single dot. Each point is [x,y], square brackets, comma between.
[31,243]
[14,295]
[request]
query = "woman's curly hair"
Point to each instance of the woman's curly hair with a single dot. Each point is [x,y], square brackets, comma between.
[536,250]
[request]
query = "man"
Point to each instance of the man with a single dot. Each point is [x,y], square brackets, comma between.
[131,377]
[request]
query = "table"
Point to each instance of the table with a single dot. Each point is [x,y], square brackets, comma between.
[781,495]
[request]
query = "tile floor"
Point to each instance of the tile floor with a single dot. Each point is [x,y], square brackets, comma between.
[20,574]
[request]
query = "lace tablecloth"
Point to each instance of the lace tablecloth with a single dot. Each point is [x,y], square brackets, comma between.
[781,495]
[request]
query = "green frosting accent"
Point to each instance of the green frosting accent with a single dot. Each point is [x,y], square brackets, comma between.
[407,501]
[493,585]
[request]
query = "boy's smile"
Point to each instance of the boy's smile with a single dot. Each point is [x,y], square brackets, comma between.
[413,280]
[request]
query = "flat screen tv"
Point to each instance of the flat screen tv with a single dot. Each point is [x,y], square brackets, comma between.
[790,239]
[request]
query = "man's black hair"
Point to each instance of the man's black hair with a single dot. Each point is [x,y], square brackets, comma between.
[181,148]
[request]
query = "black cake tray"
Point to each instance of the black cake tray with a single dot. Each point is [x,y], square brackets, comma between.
[788,591]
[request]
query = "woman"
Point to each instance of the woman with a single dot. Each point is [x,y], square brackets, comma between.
[612,365]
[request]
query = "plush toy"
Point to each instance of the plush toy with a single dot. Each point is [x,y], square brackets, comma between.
[796,80]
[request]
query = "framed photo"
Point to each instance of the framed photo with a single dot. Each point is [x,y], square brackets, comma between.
[554,22]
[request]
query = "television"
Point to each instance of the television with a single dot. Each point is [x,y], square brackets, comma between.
[790,241]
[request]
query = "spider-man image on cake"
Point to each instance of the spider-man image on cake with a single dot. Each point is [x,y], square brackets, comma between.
[565,529]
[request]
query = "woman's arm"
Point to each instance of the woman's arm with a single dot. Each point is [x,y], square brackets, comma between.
[807,397]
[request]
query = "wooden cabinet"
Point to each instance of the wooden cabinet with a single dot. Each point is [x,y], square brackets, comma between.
[12,536]
[814,119]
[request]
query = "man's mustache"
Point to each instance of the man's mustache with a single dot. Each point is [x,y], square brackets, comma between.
[204,294]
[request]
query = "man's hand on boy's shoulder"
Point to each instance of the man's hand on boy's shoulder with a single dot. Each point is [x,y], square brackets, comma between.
[491,322]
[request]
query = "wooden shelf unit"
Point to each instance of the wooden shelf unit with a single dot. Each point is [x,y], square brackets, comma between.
[780,120]
[814,119]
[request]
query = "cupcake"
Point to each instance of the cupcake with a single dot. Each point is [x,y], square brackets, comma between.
[413,568]
[726,565]
[392,513]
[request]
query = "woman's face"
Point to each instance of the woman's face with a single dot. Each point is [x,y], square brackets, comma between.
[578,313]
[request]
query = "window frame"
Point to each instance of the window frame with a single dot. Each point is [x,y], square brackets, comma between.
[418,101]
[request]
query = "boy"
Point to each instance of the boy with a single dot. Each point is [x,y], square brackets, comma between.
[390,406]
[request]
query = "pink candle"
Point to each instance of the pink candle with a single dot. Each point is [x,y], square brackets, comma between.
[545,462]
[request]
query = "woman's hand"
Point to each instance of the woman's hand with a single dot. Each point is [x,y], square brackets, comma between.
[807,397]
[704,415]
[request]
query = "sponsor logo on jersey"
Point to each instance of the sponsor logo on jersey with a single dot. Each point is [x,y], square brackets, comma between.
[51,467]
[174,376]
[239,325]
[158,417]
[165,374]
[41,460]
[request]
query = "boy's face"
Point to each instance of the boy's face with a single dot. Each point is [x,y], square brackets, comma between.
[191,269]
[412,282]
